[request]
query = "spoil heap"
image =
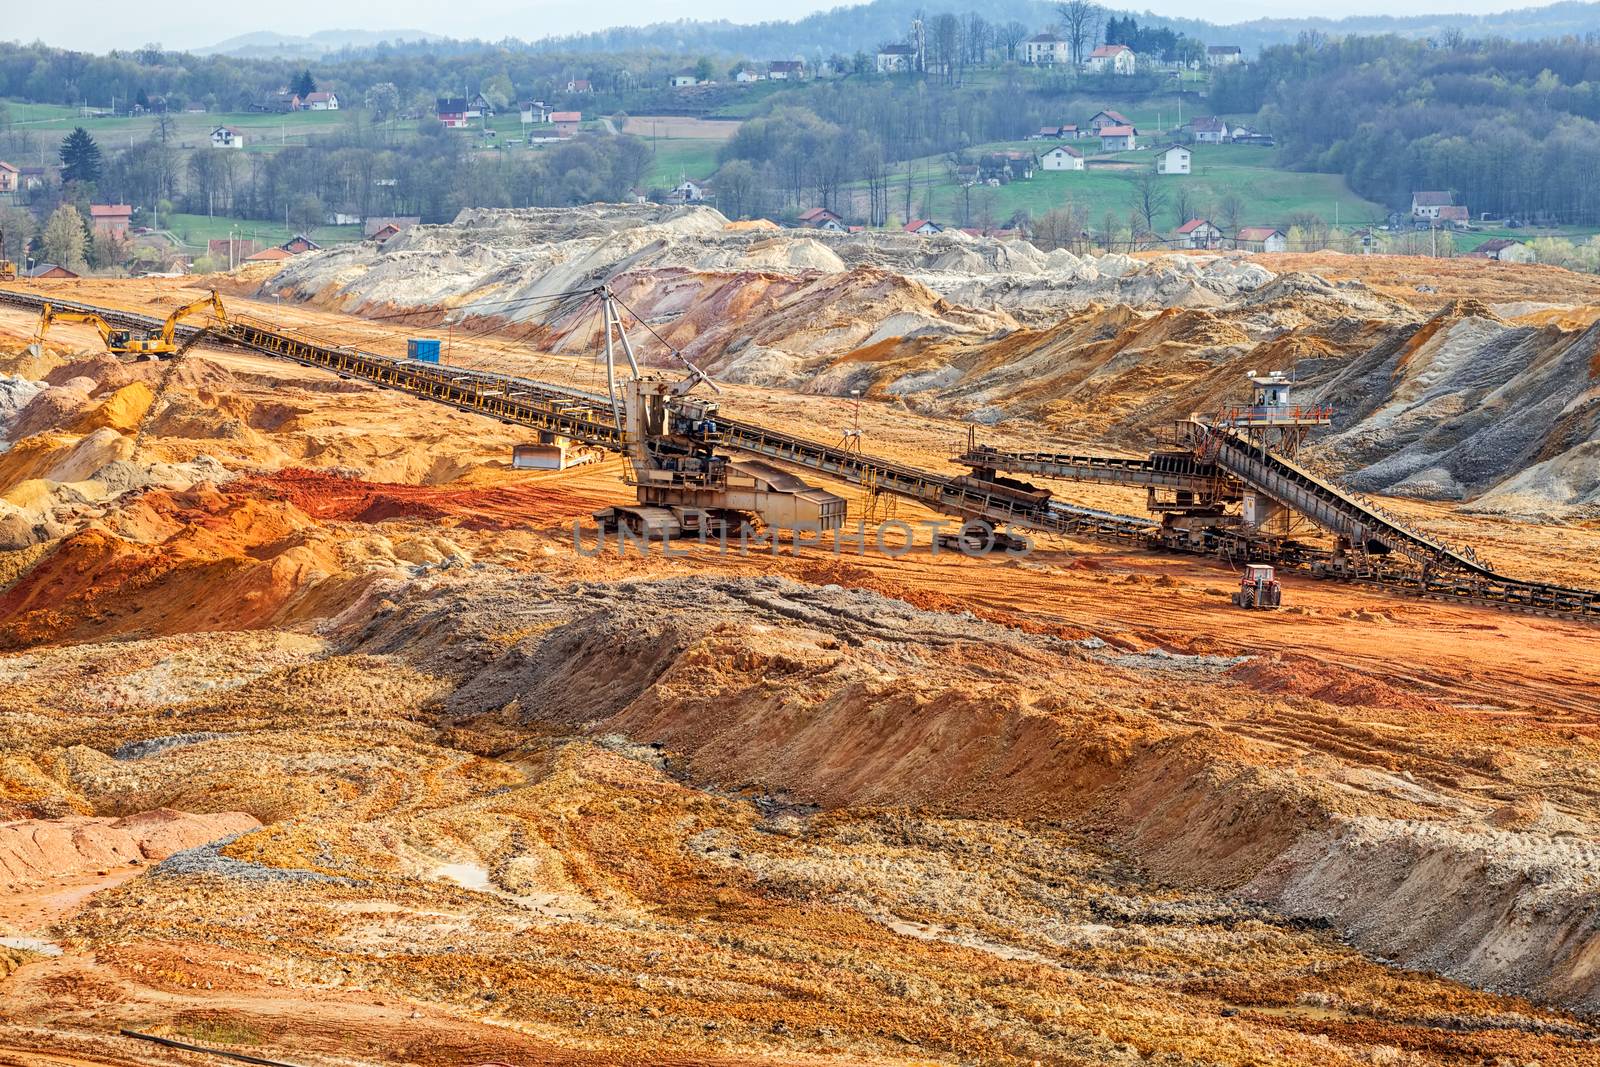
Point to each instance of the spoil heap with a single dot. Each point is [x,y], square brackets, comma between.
[1462,406]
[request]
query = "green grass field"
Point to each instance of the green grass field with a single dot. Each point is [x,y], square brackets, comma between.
[679,159]
[1269,195]
[1466,241]
[196,230]
[191,131]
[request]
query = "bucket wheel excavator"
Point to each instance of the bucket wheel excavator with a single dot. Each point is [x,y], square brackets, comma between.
[685,488]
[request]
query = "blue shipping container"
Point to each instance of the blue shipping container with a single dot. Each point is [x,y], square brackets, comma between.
[426,351]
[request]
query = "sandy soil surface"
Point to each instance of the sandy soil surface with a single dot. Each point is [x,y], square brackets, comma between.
[681,126]
[452,792]
[1430,284]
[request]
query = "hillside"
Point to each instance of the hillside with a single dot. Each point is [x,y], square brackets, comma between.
[863,27]
[265,43]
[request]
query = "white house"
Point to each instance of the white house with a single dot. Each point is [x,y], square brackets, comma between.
[690,192]
[895,58]
[534,113]
[1061,157]
[683,79]
[1261,239]
[745,76]
[1428,204]
[820,218]
[1505,250]
[1117,138]
[1173,159]
[1199,233]
[1045,49]
[1112,59]
[1223,55]
[786,70]
[1209,130]
[924,227]
[226,137]
[321,102]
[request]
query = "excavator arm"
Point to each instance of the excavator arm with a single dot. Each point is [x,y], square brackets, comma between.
[50,315]
[170,327]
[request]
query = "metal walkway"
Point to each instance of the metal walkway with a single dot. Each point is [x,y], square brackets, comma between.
[1328,506]
[1165,471]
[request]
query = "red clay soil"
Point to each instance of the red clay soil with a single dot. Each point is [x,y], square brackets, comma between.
[328,497]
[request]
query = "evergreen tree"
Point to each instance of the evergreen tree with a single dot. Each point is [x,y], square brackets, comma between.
[304,85]
[80,157]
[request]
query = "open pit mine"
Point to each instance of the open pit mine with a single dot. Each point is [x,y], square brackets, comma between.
[616,635]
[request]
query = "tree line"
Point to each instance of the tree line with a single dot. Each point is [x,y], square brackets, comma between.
[1512,128]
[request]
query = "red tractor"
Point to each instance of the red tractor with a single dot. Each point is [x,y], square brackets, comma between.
[1258,588]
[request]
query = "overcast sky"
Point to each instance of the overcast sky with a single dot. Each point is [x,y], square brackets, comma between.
[99,25]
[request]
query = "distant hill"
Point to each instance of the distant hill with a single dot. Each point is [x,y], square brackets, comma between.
[865,26]
[267,45]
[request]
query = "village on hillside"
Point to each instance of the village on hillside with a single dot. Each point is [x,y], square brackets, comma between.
[1155,179]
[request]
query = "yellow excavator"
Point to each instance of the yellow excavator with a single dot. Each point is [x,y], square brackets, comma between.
[8,267]
[158,345]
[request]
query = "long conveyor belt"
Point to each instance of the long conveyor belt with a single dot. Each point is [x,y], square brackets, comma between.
[1165,471]
[1328,506]
[1223,457]
[1440,571]
[586,417]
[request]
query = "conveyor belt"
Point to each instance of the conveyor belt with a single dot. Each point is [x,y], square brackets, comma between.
[941,493]
[1162,472]
[586,417]
[1222,455]
[1328,506]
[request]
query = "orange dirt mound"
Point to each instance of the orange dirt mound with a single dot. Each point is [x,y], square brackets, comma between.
[38,850]
[1305,676]
[165,570]
[330,498]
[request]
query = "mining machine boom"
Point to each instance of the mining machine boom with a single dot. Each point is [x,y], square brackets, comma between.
[159,343]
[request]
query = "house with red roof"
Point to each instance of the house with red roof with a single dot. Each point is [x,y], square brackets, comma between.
[566,122]
[1261,239]
[1505,250]
[110,220]
[820,218]
[924,227]
[1427,203]
[1112,59]
[1199,233]
[1118,138]
[1062,157]
[1208,129]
